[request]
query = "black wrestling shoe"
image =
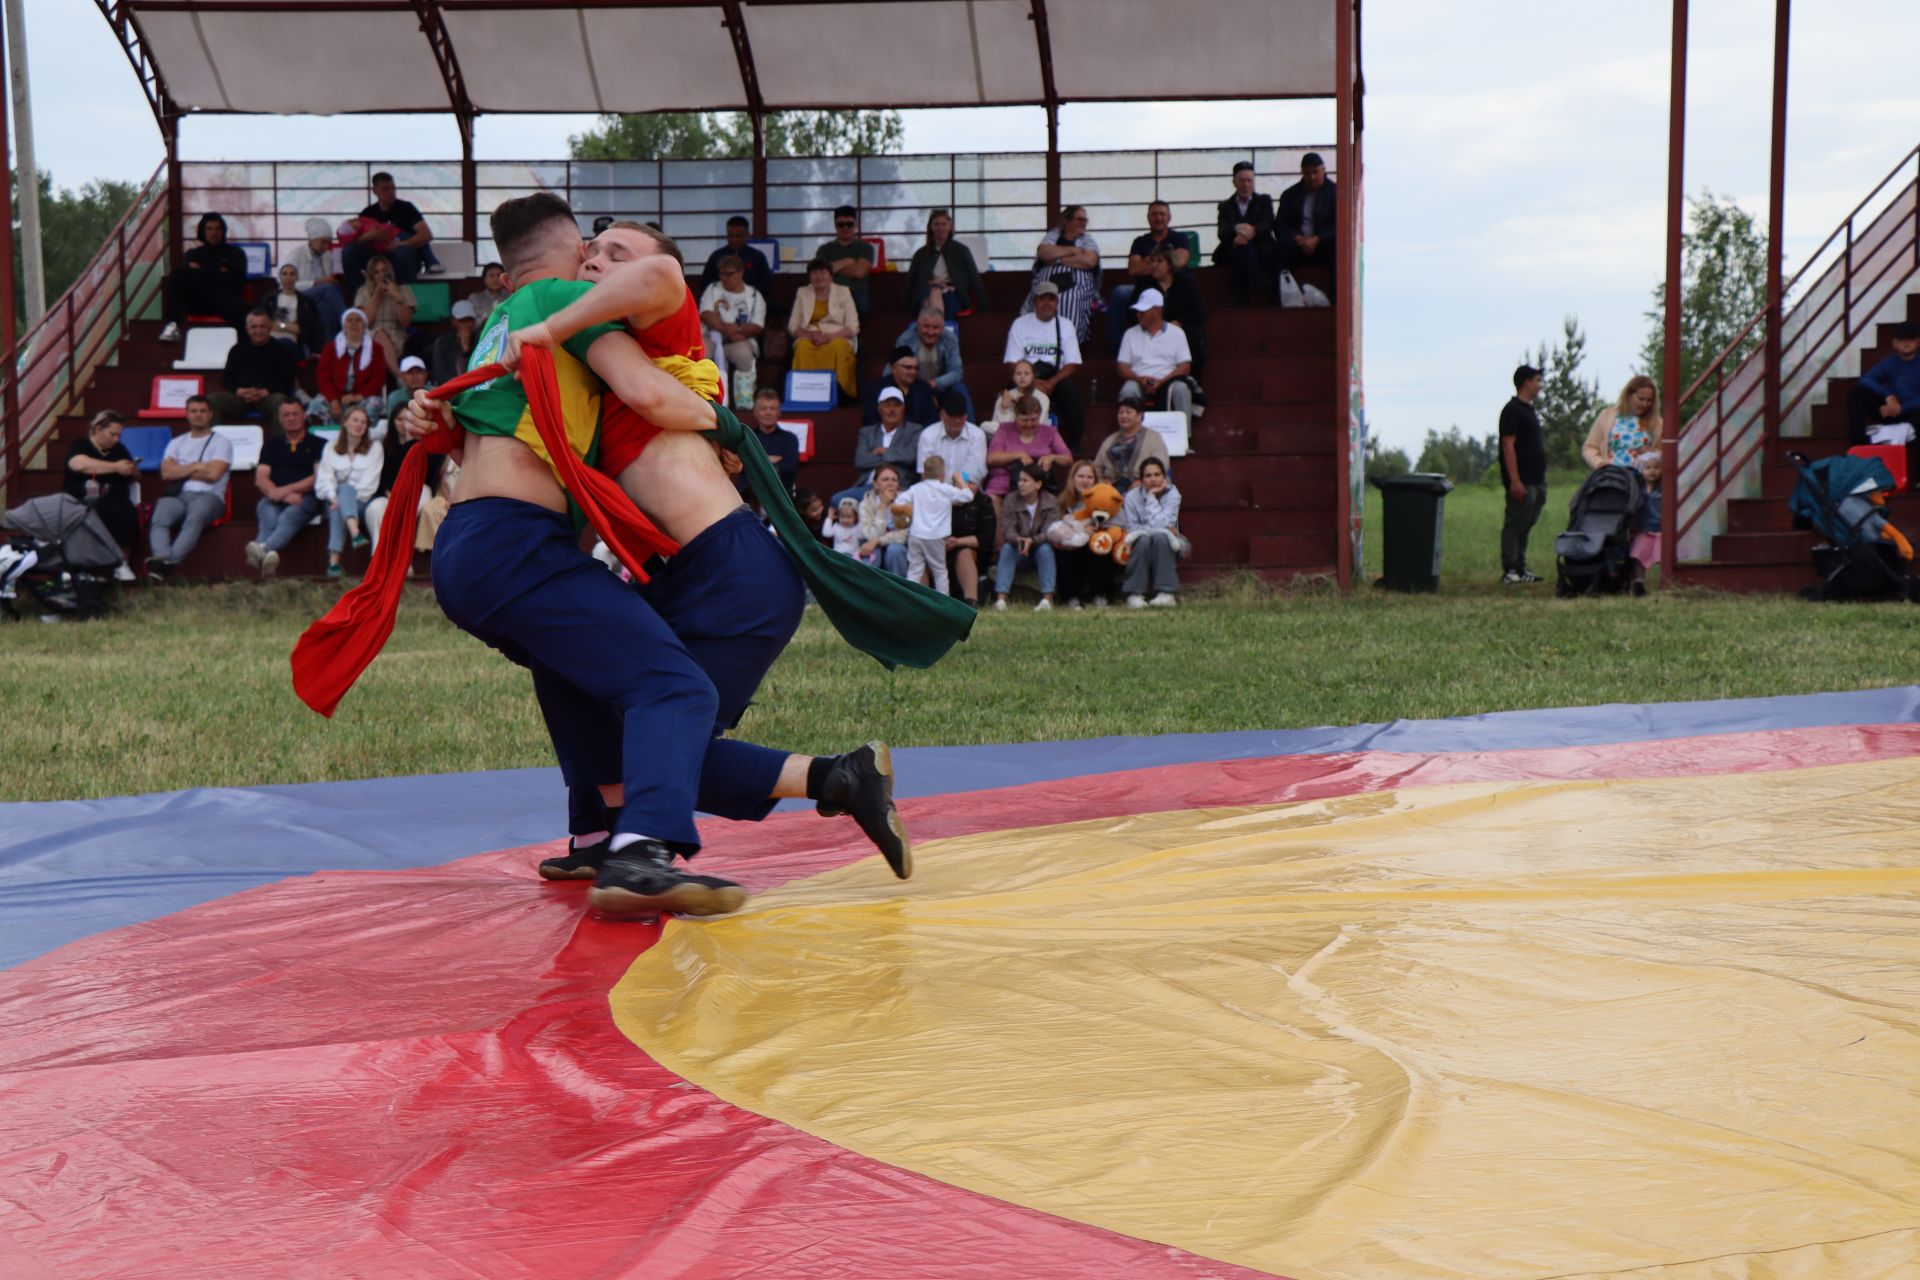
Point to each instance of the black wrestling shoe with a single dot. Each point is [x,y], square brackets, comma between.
[578,863]
[861,783]
[641,880]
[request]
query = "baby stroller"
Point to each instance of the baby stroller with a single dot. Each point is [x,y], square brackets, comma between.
[1835,496]
[62,554]
[1592,553]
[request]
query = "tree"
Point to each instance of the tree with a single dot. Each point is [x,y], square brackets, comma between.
[1382,461]
[1462,457]
[1723,276]
[73,226]
[717,135]
[1567,402]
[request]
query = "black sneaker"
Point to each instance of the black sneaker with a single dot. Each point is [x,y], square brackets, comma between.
[861,783]
[159,569]
[641,880]
[578,863]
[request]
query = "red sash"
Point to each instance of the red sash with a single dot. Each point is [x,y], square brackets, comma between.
[333,652]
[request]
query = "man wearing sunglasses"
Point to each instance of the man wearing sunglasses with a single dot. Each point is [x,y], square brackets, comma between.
[850,257]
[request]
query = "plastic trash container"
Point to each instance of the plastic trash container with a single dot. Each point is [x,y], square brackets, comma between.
[1411,509]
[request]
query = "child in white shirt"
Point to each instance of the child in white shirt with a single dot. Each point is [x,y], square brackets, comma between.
[933,501]
[843,527]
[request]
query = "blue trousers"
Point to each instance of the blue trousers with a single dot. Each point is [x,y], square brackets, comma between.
[734,599]
[623,700]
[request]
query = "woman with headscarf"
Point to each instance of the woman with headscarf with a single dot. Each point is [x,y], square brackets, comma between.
[351,367]
[211,280]
[316,275]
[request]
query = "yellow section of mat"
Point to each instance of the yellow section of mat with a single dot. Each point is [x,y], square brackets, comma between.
[1652,1028]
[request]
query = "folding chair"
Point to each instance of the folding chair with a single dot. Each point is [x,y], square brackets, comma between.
[170,392]
[207,348]
[147,445]
[246,440]
[802,430]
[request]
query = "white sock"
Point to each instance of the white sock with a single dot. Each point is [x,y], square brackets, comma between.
[624,839]
[577,843]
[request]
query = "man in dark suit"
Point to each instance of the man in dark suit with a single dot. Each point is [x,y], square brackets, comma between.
[1304,223]
[1246,234]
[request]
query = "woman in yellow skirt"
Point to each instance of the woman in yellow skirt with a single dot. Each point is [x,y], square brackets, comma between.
[825,327]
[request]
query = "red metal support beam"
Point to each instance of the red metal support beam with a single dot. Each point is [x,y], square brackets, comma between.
[1345,294]
[1776,218]
[1043,45]
[1676,223]
[434,27]
[736,25]
[166,112]
[9,324]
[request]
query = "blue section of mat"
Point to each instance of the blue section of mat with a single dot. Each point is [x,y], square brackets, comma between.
[72,868]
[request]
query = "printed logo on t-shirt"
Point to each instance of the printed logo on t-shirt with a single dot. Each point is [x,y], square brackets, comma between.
[489,349]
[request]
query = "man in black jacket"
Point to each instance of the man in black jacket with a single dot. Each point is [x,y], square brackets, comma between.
[211,280]
[1246,234]
[1304,223]
[259,374]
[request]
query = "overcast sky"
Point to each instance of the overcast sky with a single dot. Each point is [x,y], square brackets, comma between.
[1516,159]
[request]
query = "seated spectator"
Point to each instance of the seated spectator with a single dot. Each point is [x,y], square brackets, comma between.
[902,373]
[345,480]
[883,533]
[389,308]
[316,272]
[1181,304]
[211,280]
[1083,576]
[961,446]
[970,545]
[825,327]
[930,529]
[1025,516]
[936,351]
[1245,226]
[755,271]
[1154,362]
[782,448]
[296,321]
[403,238]
[841,530]
[1019,387]
[1645,551]
[1629,426]
[285,481]
[451,352]
[1069,259]
[813,510]
[891,441]
[259,375]
[735,314]
[1026,441]
[441,473]
[943,276]
[600,224]
[1889,392]
[1304,222]
[1122,453]
[413,377]
[351,370]
[1152,519]
[1160,235]
[1043,340]
[492,292]
[849,259]
[104,475]
[194,469]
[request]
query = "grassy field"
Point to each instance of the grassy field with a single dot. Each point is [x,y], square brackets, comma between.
[188,687]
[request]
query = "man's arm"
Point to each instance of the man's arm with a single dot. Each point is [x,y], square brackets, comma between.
[640,293]
[648,390]
[209,471]
[263,481]
[1515,489]
[1878,379]
[858,268]
[171,470]
[421,234]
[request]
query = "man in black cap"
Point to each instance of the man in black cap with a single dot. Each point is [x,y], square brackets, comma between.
[1523,473]
[1304,223]
[1246,234]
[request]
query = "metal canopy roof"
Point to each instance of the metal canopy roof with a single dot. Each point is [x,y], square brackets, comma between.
[324,57]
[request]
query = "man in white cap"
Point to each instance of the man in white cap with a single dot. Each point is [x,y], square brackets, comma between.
[892,440]
[452,350]
[317,268]
[1047,342]
[1154,359]
[413,377]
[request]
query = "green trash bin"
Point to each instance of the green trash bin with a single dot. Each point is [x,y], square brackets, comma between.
[1411,507]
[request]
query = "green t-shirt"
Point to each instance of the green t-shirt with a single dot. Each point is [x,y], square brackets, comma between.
[833,251]
[499,407]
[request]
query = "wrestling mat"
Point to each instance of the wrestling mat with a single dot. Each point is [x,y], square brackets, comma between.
[1608,992]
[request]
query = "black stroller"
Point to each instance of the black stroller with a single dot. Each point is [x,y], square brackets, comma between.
[62,554]
[1835,497]
[1592,553]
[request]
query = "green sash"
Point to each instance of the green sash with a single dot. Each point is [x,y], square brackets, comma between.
[900,623]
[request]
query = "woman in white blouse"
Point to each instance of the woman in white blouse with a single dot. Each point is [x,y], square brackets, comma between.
[346,480]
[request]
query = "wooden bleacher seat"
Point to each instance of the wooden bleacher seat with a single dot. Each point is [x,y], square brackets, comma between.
[170,392]
[207,347]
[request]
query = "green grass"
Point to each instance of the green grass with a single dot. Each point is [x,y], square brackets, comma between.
[188,687]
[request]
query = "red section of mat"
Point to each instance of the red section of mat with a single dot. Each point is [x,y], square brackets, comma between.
[414,1073]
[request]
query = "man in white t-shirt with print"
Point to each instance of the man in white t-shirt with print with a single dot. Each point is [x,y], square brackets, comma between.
[1046,340]
[735,316]
[1154,358]
[195,465]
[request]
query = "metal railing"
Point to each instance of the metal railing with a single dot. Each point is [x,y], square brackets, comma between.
[41,377]
[1842,288]
[997,196]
